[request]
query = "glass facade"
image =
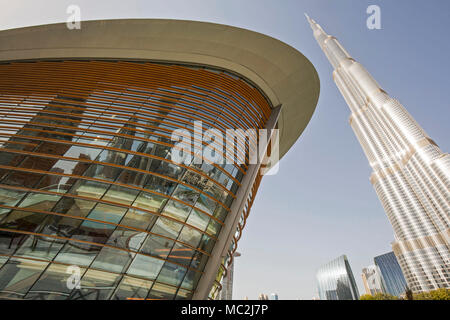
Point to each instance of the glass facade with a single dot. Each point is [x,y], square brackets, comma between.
[86,176]
[372,280]
[336,281]
[392,277]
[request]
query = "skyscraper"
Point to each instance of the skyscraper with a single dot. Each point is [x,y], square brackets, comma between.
[372,280]
[92,203]
[227,281]
[411,175]
[263,296]
[336,282]
[273,296]
[392,279]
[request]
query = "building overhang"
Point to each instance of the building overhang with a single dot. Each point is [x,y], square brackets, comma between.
[283,74]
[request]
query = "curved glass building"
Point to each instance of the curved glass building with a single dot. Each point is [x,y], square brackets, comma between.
[336,281]
[92,205]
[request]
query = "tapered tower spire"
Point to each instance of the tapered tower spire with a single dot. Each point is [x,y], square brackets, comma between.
[411,175]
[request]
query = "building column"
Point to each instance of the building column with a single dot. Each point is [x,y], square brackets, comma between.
[231,221]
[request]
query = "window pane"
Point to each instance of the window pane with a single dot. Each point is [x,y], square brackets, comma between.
[95,285]
[195,179]
[139,219]
[55,183]
[132,288]
[206,204]
[120,194]
[160,185]
[82,152]
[40,247]
[181,254]
[114,157]
[220,213]
[190,280]
[206,243]
[167,228]
[22,179]
[157,246]
[10,159]
[145,266]
[215,191]
[185,194]
[133,178]
[78,254]
[3,259]
[9,241]
[199,261]
[70,167]
[190,236]
[162,291]
[183,294]
[127,239]
[198,219]
[213,228]
[176,210]
[53,280]
[172,274]
[39,201]
[113,260]
[91,189]
[23,221]
[93,232]
[108,213]
[166,169]
[18,275]
[74,207]
[9,198]
[103,172]
[149,201]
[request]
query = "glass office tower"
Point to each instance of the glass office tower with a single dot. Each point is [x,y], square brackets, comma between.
[336,282]
[411,174]
[92,204]
[391,274]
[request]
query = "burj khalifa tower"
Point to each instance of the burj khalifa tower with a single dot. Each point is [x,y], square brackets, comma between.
[411,175]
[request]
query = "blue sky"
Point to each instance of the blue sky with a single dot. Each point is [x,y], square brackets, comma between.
[321,203]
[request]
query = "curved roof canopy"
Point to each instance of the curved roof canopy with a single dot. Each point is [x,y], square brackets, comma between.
[281,72]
